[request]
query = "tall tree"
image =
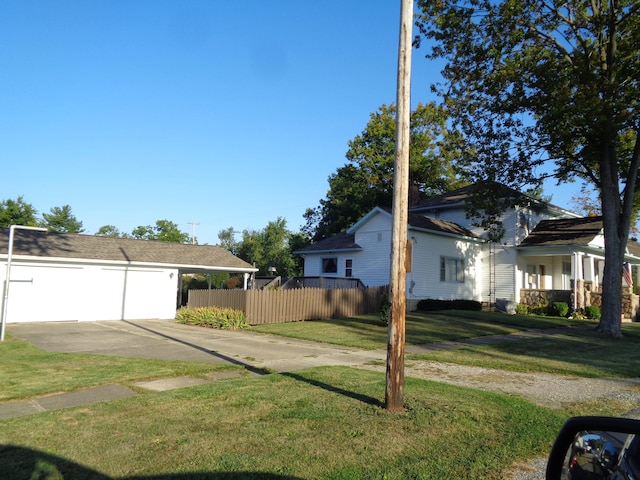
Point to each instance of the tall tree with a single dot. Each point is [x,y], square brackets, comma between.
[272,246]
[163,230]
[549,85]
[228,240]
[111,231]
[61,220]
[367,180]
[17,212]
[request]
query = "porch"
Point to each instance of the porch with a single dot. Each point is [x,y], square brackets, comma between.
[584,294]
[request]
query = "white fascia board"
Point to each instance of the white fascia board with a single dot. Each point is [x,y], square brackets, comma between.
[366,218]
[92,261]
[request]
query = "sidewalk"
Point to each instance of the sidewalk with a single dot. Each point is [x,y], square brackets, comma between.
[171,341]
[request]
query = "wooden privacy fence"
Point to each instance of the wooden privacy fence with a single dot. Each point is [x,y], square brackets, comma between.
[280,306]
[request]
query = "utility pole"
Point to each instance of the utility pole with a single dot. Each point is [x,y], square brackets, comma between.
[394,395]
[193,232]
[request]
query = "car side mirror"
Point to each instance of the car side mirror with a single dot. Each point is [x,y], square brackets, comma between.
[596,448]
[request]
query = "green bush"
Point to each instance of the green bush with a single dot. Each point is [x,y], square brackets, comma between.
[541,309]
[385,308]
[592,312]
[431,305]
[522,309]
[213,317]
[560,309]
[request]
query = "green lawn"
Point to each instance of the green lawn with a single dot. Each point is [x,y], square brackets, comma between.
[27,371]
[370,333]
[323,423]
[582,353]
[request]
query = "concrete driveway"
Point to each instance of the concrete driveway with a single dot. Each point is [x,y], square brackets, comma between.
[165,339]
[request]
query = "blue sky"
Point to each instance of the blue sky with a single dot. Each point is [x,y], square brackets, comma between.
[225,113]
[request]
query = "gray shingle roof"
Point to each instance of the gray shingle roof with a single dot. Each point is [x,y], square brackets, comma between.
[89,247]
[341,241]
[437,225]
[564,231]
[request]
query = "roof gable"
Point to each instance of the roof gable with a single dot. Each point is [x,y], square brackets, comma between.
[33,243]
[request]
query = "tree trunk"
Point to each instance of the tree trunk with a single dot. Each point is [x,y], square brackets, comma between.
[616,231]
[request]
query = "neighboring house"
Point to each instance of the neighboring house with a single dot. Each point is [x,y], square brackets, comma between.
[544,249]
[59,277]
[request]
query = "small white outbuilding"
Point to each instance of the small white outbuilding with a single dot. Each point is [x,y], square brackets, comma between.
[74,277]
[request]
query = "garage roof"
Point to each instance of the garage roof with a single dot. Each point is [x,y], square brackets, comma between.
[33,243]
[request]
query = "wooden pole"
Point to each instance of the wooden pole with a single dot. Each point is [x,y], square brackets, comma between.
[394,396]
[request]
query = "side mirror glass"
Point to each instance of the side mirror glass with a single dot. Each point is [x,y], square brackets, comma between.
[594,448]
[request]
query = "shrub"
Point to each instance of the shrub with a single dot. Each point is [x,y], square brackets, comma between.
[213,317]
[385,308]
[522,309]
[541,309]
[560,309]
[592,312]
[430,305]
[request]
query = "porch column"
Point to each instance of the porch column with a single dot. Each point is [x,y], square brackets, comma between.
[589,269]
[578,282]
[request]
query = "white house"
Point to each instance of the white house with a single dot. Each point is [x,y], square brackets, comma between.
[59,277]
[546,254]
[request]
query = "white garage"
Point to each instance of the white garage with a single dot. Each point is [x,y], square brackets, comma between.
[62,277]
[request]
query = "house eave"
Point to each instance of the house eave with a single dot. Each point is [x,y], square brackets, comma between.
[447,234]
[332,251]
[121,263]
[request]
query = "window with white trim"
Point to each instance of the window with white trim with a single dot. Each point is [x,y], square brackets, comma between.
[348,267]
[451,269]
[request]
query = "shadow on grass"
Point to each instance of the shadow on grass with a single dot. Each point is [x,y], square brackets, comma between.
[331,388]
[20,462]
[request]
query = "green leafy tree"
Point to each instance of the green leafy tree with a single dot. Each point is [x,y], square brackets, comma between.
[367,180]
[111,231]
[272,246]
[163,230]
[228,240]
[61,220]
[17,212]
[548,86]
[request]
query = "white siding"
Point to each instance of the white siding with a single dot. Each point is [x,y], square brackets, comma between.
[374,264]
[424,279]
[313,264]
[59,292]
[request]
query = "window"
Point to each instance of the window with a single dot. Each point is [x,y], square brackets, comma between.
[329,265]
[348,268]
[451,269]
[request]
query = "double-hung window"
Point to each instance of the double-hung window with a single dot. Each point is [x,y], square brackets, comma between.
[451,269]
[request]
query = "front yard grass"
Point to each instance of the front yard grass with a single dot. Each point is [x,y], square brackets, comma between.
[322,423]
[27,371]
[583,353]
[368,331]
